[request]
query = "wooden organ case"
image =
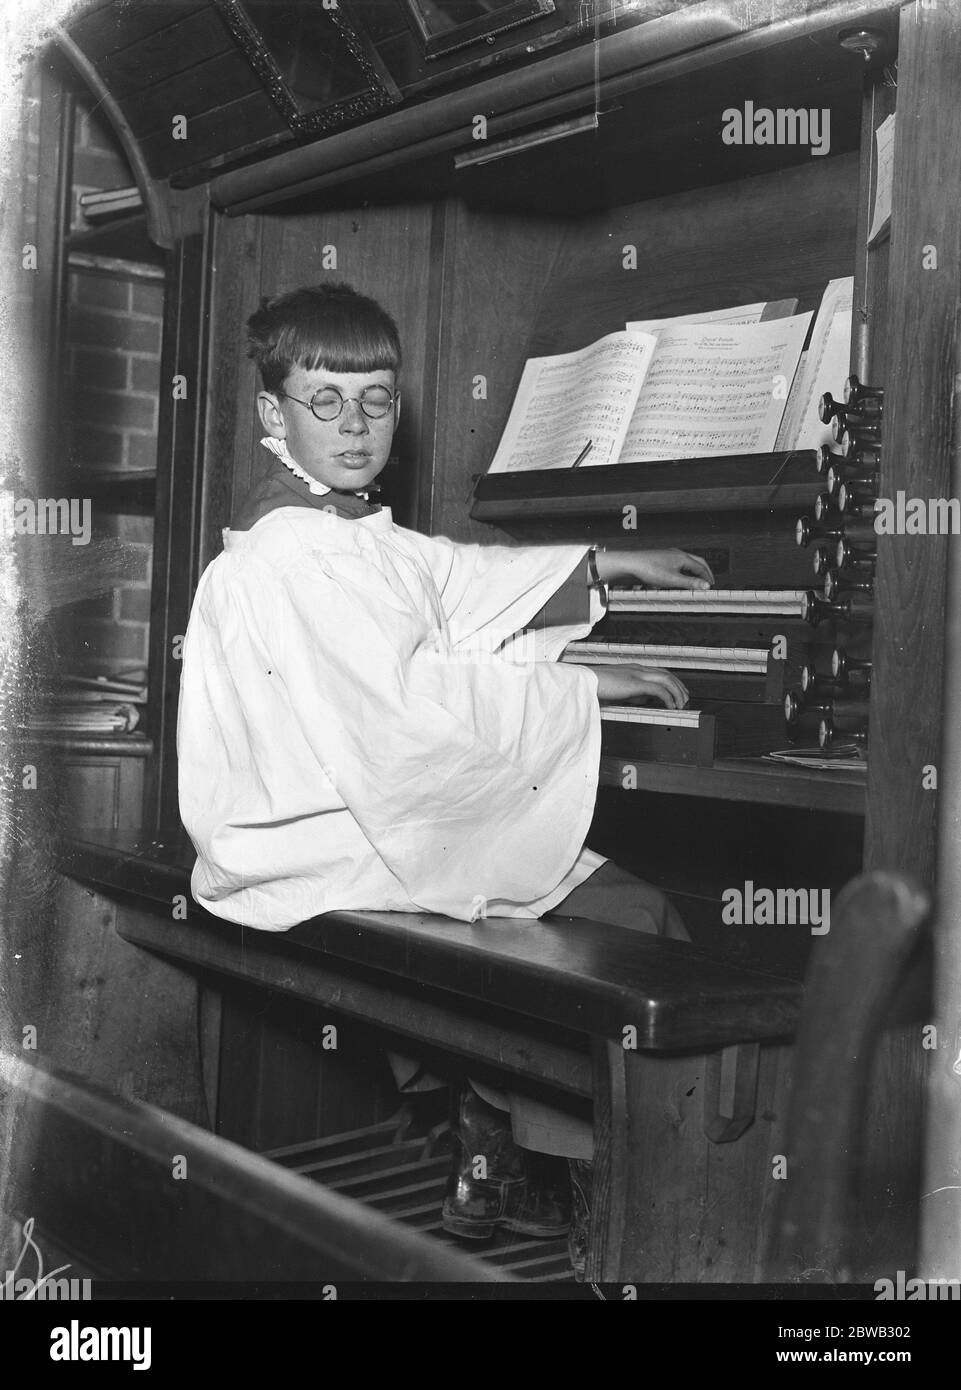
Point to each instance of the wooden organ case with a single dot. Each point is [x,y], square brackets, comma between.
[487,264]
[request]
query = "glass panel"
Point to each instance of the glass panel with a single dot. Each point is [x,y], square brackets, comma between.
[448,24]
[310,51]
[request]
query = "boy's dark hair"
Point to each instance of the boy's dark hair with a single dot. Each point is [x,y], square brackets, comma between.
[328,326]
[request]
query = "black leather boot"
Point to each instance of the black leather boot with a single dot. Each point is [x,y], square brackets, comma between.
[522,1191]
[582,1177]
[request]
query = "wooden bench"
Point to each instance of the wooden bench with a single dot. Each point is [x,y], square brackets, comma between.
[665,1040]
[130,1194]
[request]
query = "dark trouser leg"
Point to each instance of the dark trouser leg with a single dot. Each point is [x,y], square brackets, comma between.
[611,894]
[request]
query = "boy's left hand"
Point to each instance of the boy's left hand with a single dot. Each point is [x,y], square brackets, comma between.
[658,569]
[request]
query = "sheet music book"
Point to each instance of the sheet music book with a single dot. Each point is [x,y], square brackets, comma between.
[738,313]
[847,757]
[694,389]
[823,367]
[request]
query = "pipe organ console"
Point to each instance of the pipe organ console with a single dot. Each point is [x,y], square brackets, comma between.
[811,688]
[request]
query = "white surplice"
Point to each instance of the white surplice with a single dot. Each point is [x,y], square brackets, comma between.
[361,726]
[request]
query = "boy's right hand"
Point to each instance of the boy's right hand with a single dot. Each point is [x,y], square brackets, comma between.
[629,684]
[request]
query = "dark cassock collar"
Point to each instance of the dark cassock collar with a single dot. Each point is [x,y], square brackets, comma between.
[276,487]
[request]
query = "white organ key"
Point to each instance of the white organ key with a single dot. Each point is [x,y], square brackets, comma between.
[778,602]
[689,658]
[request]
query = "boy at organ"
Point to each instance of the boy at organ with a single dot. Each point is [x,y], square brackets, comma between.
[371,718]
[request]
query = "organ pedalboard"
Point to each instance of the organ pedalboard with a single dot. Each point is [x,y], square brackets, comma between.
[745,697]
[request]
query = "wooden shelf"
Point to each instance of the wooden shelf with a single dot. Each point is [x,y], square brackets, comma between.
[738,483]
[747,779]
[122,238]
[132,745]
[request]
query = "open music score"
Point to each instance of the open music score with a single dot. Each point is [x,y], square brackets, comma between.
[753,602]
[692,390]
[751,660]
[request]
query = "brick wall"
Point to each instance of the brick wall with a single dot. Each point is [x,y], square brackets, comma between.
[111,393]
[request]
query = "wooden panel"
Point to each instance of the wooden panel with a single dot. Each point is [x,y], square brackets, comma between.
[921,455]
[231,127]
[116,1015]
[103,792]
[498,272]
[924,360]
[177,527]
[232,424]
[53,212]
[201,88]
[179,56]
[112,27]
[870,333]
[748,780]
[280,1085]
[519,287]
[668,1205]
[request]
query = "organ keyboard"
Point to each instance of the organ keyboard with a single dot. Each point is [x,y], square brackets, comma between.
[723,729]
[676,658]
[766,602]
[742,648]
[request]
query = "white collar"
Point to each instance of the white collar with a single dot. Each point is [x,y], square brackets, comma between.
[278,447]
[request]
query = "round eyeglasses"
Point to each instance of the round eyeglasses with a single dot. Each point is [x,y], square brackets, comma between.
[327,403]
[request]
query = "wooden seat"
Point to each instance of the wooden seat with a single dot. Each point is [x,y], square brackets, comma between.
[678,1051]
[591,976]
[131,1194]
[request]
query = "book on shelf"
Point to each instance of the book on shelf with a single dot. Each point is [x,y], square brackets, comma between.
[844,757]
[94,688]
[64,716]
[109,202]
[712,384]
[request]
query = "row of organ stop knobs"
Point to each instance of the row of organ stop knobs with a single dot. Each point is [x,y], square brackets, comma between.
[833,703]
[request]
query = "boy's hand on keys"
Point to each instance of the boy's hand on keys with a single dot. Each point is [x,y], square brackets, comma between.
[629,684]
[658,569]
